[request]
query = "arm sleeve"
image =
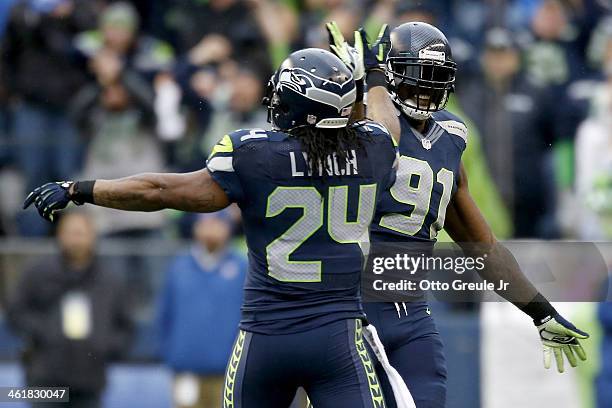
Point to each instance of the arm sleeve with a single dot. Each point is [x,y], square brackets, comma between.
[222,167]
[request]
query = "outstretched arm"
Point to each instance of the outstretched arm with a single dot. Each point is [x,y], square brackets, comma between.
[466,225]
[196,192]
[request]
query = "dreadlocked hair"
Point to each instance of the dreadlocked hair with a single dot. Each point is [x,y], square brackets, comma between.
[321,143]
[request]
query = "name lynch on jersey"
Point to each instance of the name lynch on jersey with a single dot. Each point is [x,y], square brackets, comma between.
[300,168]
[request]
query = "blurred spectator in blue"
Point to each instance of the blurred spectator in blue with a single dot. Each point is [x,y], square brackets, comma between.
[40,73]
[603,382]
[72,314]
[5,10]
[512,116]
[231,30]
[199,311]
[119,33]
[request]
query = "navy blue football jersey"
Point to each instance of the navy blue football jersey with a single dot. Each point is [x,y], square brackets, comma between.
[415,206]
[303,230]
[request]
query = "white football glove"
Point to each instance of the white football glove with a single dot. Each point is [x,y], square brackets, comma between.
[560,337]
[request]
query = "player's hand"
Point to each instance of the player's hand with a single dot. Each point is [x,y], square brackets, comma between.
[560,337]
[374,55]
[49,198]
[349,55]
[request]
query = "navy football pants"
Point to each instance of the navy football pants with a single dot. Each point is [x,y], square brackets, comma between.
[331,363]
[414,348]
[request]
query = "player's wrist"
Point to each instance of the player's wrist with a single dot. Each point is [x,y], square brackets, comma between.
[359,84]
[539,309]
[81,192]
[375,77]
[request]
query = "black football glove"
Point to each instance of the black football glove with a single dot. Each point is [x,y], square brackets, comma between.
[49,198]
[374,55]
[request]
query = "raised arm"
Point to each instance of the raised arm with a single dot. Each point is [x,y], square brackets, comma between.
[195,192]
[466,225]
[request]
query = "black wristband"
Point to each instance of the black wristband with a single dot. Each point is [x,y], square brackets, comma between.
[83,192]
[539,309]
[376,77]
[359,84]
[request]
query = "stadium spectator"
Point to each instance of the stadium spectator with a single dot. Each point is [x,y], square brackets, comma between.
[231,31]
[512,116]
[603,383]
[71,312]
[217,101]
[119,33]
[236,104]
[199,310]
[40,73]
[594,161]
[116,114]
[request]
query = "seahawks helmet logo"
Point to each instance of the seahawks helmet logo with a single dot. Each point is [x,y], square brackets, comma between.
[312,87]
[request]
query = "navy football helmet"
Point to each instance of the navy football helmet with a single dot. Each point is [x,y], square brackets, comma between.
[312,87]
[420,69]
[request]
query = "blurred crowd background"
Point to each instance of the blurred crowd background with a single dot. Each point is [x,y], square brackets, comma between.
[103,89]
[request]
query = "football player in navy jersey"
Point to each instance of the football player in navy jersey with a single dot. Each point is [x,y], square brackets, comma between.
[415,63]
[308,191]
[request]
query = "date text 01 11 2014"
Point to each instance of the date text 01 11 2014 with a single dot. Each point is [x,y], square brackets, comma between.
[34,394]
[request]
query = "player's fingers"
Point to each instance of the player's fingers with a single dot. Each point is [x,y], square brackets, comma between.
[30,198]
[547,357]
[579,334]
[567,350]
[358,42]
[559,359]
[363,36]
[335,35]
[577,348]
[383,33]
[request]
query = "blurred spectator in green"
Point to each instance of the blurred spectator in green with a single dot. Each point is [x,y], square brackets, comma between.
[118,32]
[199,311]
[72,314]
[512,116]
[39,74]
